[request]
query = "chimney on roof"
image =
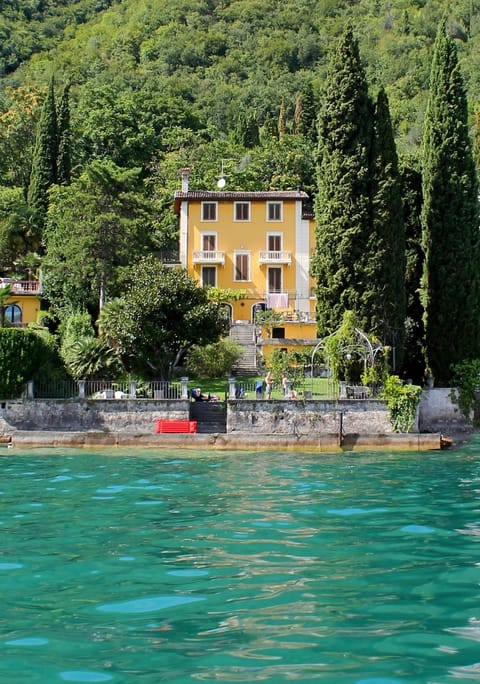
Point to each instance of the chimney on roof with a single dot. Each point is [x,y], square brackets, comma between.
[185,174]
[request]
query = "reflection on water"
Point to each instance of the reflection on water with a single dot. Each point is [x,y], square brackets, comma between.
[239,567]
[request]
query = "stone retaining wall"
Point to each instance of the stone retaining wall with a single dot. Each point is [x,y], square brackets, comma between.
[107,415]
[312,417]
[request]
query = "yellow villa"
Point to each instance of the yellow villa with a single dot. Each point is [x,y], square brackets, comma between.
[23,306]
[257,244]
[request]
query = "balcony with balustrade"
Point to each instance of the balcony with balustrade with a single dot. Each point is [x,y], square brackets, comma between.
[270,257]
[210,256]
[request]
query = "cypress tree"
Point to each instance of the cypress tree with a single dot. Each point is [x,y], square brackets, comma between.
[64,139]
[450,220]
[247,131]
[282,119]
[414,363]
[305,118]
[343,219]
[44,161]
[384,299]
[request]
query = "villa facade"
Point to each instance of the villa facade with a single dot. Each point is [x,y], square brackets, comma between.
[257,245]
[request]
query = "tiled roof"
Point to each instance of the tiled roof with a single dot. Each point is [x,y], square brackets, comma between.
[231,195]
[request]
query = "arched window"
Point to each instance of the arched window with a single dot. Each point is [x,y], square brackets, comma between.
[228,310]
[13,314]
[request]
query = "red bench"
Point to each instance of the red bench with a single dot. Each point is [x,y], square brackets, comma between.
[164,426]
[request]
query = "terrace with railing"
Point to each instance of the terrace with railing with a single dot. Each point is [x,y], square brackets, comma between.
[22,287]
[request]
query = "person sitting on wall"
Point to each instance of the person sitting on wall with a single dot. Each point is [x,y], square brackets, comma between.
[198,396]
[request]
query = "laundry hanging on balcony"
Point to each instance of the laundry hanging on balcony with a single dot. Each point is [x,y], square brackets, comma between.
[277,300]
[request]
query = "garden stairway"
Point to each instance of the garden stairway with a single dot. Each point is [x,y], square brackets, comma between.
[244,334]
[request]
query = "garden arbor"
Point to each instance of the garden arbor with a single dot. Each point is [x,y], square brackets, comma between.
[343,351]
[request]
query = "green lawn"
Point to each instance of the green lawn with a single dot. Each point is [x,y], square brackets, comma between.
[321,388]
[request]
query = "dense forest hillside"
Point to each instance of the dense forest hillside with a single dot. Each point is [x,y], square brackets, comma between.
[198,63]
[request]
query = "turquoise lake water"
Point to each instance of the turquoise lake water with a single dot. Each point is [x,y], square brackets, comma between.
[237,567]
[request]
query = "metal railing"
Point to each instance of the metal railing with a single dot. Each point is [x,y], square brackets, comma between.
[61,389]
[104,389]
[159,389]
[107,389]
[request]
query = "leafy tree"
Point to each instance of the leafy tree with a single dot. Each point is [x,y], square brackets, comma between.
[384,299]
[343,222]
[44,162]
[14,227]
[110,213]
[26,354]
[162,314]
[20,107]
[450,220]
[213,360]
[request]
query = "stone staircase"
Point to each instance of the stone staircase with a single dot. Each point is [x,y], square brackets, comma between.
[244,335]
[211,417]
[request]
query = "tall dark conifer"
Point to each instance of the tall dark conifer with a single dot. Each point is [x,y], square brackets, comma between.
[44,161]
[282,119]
[64,165]
[305,119]
[343,217]
[450,220]
[384,299]
[414,363]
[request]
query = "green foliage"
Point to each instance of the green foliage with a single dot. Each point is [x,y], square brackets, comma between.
[77,326]
[213,360]
[340,350]
[385,297]
[20,107]
[414,361]
[44,161]
[91,358]
[466,382]
[450,217]
[162,314]
[402,400]
[342,209]
[14,227]
[290,363]
[25,354]
[221,294]
[269,319]
[5,296]
[84,266]
[64,162]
